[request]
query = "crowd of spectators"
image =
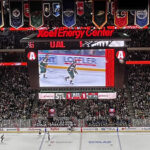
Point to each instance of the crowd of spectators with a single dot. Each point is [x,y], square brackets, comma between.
[94,112]
[12,57]
[138,55]
[11,39]
[139,85]
[63,109]
[19,101]
[139,38]
[16,98]
[100,116]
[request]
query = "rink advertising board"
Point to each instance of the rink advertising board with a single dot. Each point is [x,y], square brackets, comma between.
[77,96]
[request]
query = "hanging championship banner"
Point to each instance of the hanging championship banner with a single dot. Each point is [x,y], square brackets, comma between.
[131,16]
[112,8]
[26,9]
[121,18]
[56,9]
[1,14]
[142,18]
[80,8]
[68,13]
[99,13]
[36,13]
[46,9]
[16,13]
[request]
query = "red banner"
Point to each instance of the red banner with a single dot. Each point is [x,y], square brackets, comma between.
[110,67]
[26,9]
[112,8]
[121,18]
[80,8]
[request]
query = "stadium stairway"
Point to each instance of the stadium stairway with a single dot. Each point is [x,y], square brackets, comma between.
[130,104]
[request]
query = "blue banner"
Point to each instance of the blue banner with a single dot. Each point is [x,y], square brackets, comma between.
[56,9]
[16,13]
[142,18]
[69,15]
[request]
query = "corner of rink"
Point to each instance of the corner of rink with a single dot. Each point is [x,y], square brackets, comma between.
[75,129]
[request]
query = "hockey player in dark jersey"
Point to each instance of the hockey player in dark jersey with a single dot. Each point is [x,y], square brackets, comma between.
[48,136]
[40,131]
[43,65]
[2,138]
[71,71]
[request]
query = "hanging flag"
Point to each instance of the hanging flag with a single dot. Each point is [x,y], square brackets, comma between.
[26,13]
[142,18]
[131,16]
[26,9]
[99,13]
[36,13]
[1,14]
[56,9]
[80,8]
[16,13]
[112,8]
[121,18]
[46,9]
[68,14]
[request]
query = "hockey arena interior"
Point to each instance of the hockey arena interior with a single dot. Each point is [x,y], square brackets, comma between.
[74,75]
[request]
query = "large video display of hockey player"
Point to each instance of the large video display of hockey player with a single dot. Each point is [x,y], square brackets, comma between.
[65,68]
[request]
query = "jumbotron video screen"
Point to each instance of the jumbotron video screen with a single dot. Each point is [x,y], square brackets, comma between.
[79,68]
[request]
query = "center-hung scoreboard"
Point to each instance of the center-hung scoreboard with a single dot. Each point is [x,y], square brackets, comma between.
[76,59]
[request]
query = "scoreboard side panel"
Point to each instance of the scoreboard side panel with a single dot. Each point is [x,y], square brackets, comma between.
[119,71]
[32,62]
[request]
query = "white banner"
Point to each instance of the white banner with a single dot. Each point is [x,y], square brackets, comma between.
[107,95]
[63,96]
[46,96]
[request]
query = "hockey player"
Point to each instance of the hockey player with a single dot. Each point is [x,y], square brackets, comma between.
[71,71]
[2,138]
[70,127]
[48,136]
[43,65]
[40,132]
[45,130]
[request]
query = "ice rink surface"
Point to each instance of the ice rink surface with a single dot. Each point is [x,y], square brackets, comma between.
[76,141]
[56,77]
